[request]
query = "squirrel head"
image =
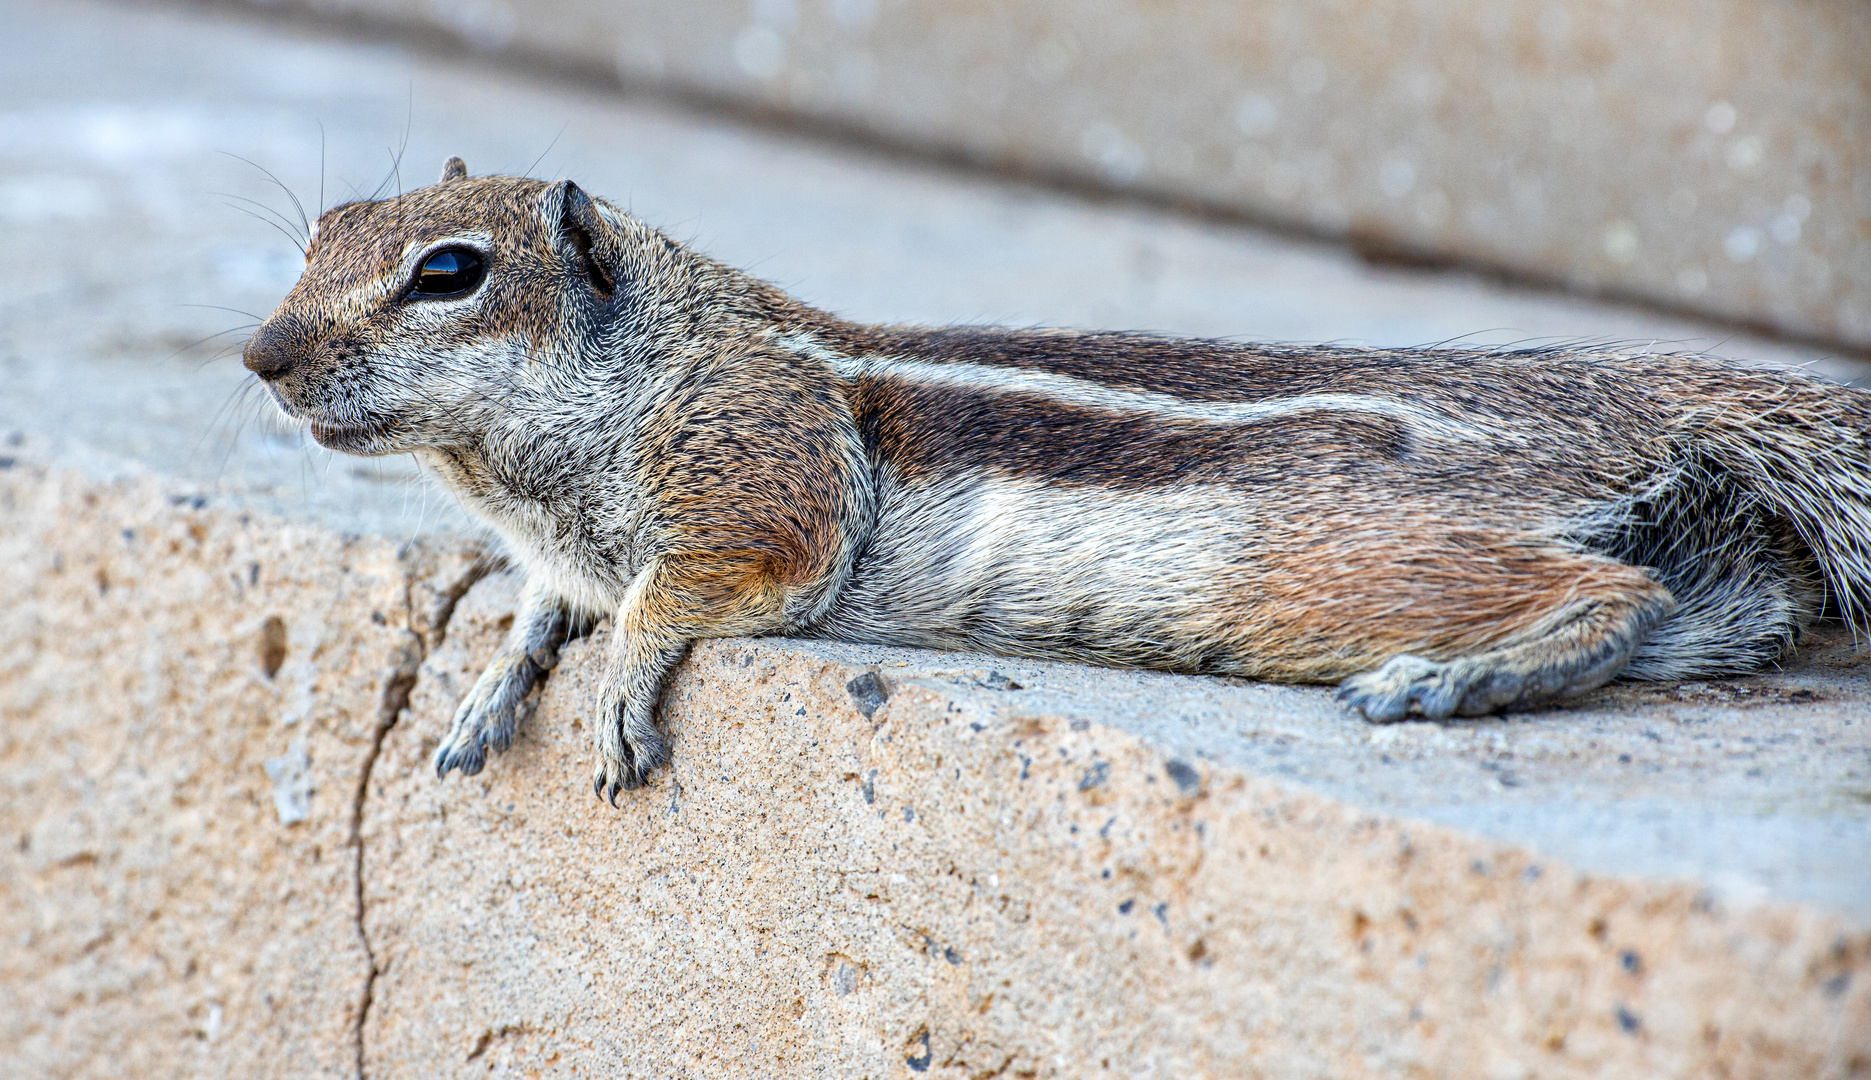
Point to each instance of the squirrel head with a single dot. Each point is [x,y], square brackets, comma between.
[420,319]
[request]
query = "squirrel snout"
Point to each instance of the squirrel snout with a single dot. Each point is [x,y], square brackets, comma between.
[269,353]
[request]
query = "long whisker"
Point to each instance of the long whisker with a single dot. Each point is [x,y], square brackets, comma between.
[321,168]
[299,239]
[204,340]
[291,239]
[396,156]
[548,149]
[230,310]
[268,173]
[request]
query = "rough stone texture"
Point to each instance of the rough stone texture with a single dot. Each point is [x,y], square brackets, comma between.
[965,883]
[155,655]
[807,890]
[1714,154]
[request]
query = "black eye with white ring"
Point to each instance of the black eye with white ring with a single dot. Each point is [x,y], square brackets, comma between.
[448,272]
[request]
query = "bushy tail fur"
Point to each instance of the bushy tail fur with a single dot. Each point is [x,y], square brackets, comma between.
[1760,522]
[1803,447]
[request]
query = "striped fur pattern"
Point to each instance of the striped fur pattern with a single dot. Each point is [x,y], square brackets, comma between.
[672,444]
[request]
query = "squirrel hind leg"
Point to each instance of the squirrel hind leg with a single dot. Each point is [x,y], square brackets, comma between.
[1579,647]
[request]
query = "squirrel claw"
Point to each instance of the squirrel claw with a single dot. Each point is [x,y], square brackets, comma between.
[470,758]
[628,771]
[605,785]
[627,755]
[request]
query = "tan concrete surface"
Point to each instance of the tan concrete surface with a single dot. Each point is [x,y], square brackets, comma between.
[808,891]
[965,884]
[189,694]
[160,919]
[1708,154]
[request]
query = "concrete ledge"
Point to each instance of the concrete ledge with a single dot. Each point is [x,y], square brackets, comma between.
[1001,868]
[161,658]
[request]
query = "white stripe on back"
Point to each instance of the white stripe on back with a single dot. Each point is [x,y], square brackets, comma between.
[1083,393]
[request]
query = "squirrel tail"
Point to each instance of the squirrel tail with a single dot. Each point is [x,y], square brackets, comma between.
[1759,521]
[1801,447]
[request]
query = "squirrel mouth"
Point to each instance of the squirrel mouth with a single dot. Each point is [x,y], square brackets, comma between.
[362,438]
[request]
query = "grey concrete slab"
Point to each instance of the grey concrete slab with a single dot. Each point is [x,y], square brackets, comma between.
[125,140]
[115,128]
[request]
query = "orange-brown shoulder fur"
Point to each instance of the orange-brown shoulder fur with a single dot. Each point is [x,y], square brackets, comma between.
[670,443]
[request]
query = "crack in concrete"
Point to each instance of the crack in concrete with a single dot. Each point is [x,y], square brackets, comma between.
[396,691]
[405,670]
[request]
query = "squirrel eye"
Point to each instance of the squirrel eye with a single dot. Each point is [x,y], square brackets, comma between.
[447,273]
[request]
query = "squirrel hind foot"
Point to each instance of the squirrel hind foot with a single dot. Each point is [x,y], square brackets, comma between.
[1586,646]
[1405,684]
[1408,685]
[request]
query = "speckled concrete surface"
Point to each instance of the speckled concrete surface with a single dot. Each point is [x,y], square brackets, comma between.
[1757,788]
[233,858]
[206,630]
[156,658]
[1035,871]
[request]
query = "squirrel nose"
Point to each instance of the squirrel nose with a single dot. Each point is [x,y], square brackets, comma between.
[268,353]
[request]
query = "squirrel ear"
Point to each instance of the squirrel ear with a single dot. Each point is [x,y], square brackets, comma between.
[583,234]
[454,169]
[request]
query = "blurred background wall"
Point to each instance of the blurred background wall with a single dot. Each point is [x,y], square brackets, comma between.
[1706,155]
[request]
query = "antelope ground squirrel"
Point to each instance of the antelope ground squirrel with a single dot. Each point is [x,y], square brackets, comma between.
[672,443]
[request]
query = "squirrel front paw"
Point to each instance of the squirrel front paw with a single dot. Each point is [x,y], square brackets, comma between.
[628,744]
[487,718]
